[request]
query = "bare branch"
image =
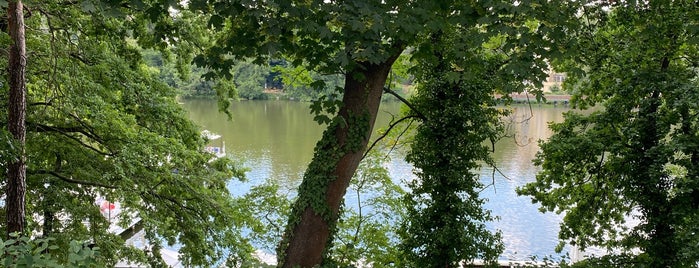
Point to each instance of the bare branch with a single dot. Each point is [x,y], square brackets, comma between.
[36,127]
[495,170]
[406,102]
[81,59]
[393,146]
[40,104]
[390,127]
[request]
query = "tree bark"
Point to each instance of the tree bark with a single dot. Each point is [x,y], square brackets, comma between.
[16,171]
[311,232]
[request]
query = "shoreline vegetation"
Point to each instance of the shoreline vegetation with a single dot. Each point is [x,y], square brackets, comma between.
[522,98]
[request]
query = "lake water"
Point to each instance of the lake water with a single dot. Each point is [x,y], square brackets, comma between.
[275,139]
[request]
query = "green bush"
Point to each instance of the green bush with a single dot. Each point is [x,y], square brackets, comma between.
[22,251]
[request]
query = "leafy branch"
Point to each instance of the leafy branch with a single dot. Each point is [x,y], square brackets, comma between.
[70,180]
[66,131]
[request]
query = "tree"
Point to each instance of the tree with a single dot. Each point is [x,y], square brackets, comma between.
[635,159]
[457,73]
[366,229]
[445,223]
[330,38]
[250,79]
[17,169]
[360,40]
[100,124]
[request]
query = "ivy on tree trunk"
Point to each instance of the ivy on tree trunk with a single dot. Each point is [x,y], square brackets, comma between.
[314,215]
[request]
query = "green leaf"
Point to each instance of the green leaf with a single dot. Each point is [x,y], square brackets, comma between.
[453,77]
[216,22]
[322,119]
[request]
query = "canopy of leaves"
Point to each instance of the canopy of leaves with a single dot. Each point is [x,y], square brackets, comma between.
[102,125]
[626,175]
[352,37]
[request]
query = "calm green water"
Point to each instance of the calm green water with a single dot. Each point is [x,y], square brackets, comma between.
[275,139]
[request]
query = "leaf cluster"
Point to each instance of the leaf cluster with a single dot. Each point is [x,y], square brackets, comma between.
[22,251]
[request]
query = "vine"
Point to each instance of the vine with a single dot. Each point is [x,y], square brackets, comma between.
[321,172]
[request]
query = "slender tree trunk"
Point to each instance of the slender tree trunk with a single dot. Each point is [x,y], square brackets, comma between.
[661,247]
[16,177]
[337,155]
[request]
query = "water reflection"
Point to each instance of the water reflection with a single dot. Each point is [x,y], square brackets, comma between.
[526,232]
[275,139]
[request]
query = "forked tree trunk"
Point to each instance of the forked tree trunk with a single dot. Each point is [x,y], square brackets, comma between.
[16,171]
[311,230]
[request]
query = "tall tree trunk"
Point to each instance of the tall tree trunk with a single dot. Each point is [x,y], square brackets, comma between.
[661,247]
[337,155]
[655,204]
[16,172]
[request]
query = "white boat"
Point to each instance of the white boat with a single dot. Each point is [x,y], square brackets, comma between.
[209,136]
[217,151]
[134,235]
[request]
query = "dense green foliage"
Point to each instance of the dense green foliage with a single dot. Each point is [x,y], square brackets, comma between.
[626,174]
[101,124]
[26,252]
[458,68]
[248,80]
[361,40]
[445,223]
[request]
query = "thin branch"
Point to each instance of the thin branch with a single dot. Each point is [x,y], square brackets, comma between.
[81,59]
[175,202]
[36,127]
[40,104]
[390,127]
[357,230]
[70,180]
[406,102]
[500,172]
[65,131]
[495,170]
[531,110]
[149,195]
[492,143]
[393,146]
